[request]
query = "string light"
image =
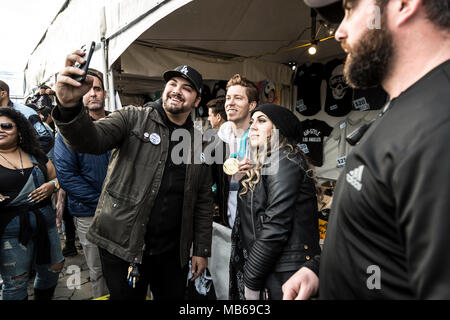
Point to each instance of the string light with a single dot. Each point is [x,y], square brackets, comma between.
[312,50]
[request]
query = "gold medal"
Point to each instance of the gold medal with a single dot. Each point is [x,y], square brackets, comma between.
[231,166]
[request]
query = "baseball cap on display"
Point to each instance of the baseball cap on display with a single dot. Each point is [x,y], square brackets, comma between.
[330,10]
[188,73]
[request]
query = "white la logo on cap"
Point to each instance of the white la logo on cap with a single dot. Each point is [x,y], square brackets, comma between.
[184,70]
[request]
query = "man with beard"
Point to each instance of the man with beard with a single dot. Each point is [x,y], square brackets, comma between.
[81,177]
[154,203]
[387,234]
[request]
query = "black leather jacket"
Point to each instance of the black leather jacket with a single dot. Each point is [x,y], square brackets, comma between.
[279,224]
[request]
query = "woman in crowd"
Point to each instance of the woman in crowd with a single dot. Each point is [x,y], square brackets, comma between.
[276,229]
[28,235]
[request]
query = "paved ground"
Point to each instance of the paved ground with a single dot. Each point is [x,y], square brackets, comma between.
[73,281]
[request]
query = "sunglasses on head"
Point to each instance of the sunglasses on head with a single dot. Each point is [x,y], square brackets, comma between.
[7,126]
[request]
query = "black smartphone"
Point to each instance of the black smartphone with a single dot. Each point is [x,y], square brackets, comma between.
[85,65]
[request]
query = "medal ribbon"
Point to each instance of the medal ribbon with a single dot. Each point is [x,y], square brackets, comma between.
[242,146]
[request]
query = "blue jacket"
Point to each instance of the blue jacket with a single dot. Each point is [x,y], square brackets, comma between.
[81,175]
[45,136]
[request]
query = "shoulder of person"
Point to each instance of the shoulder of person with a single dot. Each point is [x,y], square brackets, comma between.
[135,111]
[26,111]
[292,157]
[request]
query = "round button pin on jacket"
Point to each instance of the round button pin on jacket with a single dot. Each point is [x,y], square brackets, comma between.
[155,138]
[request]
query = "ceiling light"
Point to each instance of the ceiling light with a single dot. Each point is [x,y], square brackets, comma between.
[312,50]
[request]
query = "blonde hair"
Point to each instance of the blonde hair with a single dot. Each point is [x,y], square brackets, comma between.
[250,88]
[260,154]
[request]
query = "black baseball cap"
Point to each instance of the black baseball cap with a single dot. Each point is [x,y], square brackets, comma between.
[330,10]
[188,73]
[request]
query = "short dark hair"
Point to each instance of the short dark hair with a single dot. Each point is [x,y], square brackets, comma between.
[438,12]
[251,88]
[4,87]
[217,106]
[97,74]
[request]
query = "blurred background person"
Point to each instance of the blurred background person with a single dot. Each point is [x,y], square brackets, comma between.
[45,138]
[216,112]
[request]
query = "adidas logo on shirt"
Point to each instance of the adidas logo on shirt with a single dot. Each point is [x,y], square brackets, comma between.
[354,177]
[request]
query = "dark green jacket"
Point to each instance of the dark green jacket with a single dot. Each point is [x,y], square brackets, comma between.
[134,175]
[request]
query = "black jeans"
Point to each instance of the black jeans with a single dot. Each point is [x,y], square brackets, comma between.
[163,272]
[69,225]
[275,281]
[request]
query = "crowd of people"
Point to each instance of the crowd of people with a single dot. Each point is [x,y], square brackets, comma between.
[143,208]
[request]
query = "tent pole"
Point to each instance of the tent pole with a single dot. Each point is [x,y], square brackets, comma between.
[105,76]
[109,78]
[111,90]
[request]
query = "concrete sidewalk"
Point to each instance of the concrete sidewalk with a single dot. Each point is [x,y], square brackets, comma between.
[73,283]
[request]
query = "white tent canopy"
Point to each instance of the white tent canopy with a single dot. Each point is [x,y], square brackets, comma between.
[140,39]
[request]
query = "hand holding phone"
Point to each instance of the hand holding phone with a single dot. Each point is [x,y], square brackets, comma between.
[85,65]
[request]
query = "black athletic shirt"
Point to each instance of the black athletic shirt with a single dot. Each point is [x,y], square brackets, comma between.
[388,234]
[369,99]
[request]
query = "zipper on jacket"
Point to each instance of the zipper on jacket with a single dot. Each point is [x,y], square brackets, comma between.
[253,220]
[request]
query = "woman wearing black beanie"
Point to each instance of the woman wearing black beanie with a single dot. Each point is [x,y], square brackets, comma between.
[276,229]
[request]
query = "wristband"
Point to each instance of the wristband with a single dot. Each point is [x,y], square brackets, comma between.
[56,185]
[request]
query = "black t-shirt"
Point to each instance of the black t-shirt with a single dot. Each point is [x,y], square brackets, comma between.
[308,81]
[339,95]
[369,99]
[387,235]
[313,134]
[164,225]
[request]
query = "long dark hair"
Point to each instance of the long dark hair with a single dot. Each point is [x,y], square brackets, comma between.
[26,135]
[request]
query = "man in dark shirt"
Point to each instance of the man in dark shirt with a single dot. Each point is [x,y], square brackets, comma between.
[387,235]
[155,202]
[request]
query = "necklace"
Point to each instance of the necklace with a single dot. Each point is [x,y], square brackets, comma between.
[21,164]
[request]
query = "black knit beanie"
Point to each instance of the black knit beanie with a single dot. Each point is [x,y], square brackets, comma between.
[285,121]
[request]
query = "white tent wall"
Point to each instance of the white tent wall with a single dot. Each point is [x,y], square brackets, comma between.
[152,62]
[81,22]
[142,14]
